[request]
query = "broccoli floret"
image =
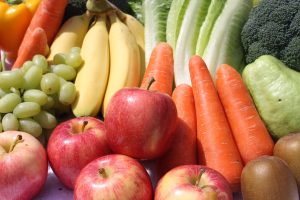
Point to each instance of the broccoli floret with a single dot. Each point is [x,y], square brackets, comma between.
[273,28]
[291,53]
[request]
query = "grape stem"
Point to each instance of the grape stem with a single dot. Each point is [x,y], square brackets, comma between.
[18,139]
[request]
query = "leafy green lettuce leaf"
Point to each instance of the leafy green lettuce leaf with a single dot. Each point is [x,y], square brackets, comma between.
[137,7]
[174,21]
[155,14]
[187,39]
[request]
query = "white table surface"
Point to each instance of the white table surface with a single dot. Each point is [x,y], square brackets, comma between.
[54,189]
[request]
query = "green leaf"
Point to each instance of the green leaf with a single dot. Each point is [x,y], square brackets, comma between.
[174,21]
[187,39]
[155,19]
[213,13]
[224,44]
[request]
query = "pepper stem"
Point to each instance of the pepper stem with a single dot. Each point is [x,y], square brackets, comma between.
[17,140]
[14,2]
[3,58]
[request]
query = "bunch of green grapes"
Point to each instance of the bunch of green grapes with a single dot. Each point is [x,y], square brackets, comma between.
[31,96]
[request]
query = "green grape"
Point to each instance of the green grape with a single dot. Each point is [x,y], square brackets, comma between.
[26,66]
[8,102]
[13,78]
[26,109]
[32,77]
[50,83]
[30,126]
[75,49]
[67,93]
[74,59]
[49,104]
[34,95]
[62,81]
[40,61]
[10,122]
[3,92]
[16,91]
[59,108]
[65,71]
[46,119]
[59,58]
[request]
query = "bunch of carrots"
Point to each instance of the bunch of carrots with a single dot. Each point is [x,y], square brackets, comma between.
[219,116]
[41,30]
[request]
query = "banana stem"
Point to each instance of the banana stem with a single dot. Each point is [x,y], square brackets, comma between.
[113,17]
[99,6]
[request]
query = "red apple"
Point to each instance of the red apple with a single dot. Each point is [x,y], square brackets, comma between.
[73,144]
[193,182]
[183,150]
[113,177]
[23,166]
[140,123]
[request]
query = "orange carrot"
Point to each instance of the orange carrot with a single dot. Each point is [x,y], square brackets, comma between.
[183,149]
[249,131]
[216,146]
[48,16]
[160,67]
[37,45]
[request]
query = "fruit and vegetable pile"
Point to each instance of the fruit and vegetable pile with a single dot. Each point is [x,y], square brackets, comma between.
[207,91]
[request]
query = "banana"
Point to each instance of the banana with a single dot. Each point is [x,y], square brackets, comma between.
[92,77]
[70,35]
[124,57]
[137,29]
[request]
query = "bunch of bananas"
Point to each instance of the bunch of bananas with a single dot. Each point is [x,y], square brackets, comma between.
[112,48]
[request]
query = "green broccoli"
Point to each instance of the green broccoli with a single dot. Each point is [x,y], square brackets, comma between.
[273,28]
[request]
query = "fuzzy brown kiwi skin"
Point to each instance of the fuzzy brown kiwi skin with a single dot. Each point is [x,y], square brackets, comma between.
[288,149]
[268,178]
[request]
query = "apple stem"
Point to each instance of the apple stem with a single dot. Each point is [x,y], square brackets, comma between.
[85,122]
[151,81]
[199,177]
[17,140]
[102,172]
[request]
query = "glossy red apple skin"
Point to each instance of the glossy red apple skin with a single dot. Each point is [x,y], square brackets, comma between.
[125,178]
[140,123]
[183,150]
[180,184]
[70,148]
[23,171]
